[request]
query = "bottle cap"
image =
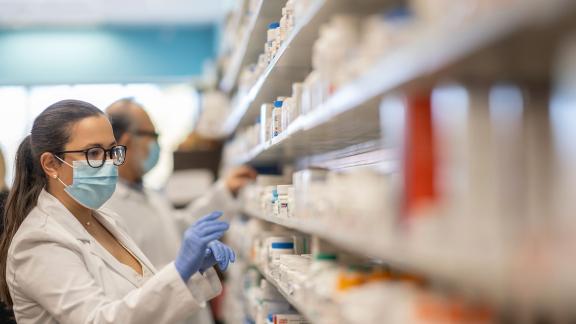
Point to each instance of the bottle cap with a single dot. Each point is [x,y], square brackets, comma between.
[282,245]
[326,256]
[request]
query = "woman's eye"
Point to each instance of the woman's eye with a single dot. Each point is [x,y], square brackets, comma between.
[94,154]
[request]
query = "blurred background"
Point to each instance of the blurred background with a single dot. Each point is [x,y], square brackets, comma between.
[416,158]
[101,51]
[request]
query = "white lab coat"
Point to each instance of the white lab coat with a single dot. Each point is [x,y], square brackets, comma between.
[58,273]
[157,228]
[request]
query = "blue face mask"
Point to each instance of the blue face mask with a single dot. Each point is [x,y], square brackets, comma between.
[92,187]
[153,157]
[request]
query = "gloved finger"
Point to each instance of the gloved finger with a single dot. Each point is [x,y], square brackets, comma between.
[210,217]
[213,228]
[205,225]
[231,254]
[223,264]
[226,259]
[213,237]
[208,253]
[210,260]
[219,253]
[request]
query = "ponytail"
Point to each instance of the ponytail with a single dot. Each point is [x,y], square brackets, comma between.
[28,183]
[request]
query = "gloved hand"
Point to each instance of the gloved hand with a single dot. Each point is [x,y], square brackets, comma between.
[196,239]
[217,253]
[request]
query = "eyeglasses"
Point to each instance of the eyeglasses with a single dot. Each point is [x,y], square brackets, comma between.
[152,134]
[96,156]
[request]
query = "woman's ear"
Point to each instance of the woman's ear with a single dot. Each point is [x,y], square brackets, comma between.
[50,164]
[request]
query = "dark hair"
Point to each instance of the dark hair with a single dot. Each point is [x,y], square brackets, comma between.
[50,133]
[121,124]
[120,118]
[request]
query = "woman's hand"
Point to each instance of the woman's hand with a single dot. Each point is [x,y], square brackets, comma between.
[218,253]
[196,239]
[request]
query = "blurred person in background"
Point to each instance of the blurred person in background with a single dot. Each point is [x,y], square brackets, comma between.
[149,217]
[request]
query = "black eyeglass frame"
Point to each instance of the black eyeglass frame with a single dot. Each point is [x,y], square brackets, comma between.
[107,154]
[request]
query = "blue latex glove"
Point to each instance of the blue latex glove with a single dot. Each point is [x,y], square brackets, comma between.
[196,239]
[217,253]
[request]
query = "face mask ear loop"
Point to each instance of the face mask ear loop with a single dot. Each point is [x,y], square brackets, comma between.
[62,182]
[68,164]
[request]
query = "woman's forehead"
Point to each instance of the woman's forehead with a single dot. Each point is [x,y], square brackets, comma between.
[91,130]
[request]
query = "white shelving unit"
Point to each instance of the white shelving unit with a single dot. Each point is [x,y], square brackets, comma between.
[437,52]
[252,43]
[351,117]
[308,308]
[483,276]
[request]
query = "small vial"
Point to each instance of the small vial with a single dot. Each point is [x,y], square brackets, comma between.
[277,117]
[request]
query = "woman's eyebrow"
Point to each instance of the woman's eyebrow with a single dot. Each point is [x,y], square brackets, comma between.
[91,145]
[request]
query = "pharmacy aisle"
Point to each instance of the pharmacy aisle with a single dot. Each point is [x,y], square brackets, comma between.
[416,160]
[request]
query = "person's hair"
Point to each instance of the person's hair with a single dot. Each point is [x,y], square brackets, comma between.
[121,124]
[2,172]
[50,133]
[120,117]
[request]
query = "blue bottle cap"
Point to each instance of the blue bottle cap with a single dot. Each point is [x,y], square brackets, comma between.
[278,103]
[282,245]
[274,25]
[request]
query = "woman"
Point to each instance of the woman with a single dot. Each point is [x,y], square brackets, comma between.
[66,261]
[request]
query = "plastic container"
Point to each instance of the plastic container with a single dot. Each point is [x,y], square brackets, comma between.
[286,112]
[282,202]
[279,245]
[296,104]
[307,184]
[265,122]
[272,37]
[323,275]
[280,248]
[277,117]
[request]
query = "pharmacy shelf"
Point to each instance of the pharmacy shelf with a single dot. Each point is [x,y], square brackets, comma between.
[291,64]
[307,308]
[476,274]
[252,43]
[435,53]
[348,118]
[373,247]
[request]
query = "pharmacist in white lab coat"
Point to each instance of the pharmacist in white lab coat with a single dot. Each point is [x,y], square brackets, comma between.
[65,260]
[148,216]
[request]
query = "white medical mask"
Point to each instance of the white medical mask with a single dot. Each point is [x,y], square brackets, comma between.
[91,187]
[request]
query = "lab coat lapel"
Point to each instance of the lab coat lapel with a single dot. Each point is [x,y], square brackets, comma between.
[50,205]
[99,251]
[112,226]
[57,211]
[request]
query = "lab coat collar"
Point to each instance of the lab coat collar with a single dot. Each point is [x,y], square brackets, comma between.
[57,211]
